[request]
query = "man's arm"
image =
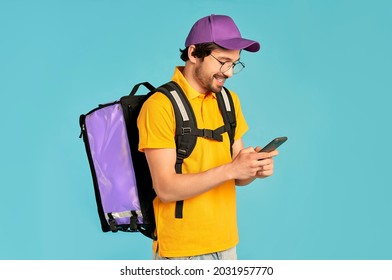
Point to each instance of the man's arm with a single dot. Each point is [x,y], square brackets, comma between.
[170,186]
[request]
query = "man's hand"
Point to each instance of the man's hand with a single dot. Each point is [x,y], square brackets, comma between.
[249,164]
[267,167]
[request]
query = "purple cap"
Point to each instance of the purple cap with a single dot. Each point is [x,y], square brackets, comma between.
[222,31]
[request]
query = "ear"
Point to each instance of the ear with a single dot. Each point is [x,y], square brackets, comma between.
[192,58]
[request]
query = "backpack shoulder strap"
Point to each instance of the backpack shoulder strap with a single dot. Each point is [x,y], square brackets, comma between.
[226,107]
[186,125]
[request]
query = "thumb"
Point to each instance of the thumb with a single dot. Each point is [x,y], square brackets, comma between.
[249,150]
[258,149]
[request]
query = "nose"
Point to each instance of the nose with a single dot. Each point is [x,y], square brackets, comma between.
[229,73]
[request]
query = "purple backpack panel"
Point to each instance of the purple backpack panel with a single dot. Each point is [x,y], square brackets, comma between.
[109,147]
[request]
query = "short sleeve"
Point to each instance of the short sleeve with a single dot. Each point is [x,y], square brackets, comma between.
[156,123]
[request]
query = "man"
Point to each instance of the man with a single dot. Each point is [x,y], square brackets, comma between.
[208,227]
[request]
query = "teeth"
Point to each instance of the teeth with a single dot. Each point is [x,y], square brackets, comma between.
[220,79]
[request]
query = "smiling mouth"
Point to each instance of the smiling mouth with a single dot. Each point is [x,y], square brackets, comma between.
[221,80]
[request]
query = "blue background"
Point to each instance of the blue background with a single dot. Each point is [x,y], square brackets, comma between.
[323,78]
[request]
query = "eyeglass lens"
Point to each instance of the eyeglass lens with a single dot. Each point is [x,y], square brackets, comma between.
[237,67]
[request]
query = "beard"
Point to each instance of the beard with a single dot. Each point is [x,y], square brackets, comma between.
[209,83]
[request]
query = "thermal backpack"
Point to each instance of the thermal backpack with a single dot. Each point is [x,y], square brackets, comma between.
[121,177]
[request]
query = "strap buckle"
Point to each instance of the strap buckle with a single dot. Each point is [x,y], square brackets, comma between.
[207,133]
[212,134]
[186,130]
[181,154]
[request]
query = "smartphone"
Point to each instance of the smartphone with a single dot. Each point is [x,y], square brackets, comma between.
[274,144]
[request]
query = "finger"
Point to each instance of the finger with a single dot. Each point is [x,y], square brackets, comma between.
[248,150]
[267,167]
[258,149]
[270,154]
[267,173]
[265,161]
[274,153]
[263,155]
[264,173]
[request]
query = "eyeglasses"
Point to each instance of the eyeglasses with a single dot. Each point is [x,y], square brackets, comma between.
[226,66]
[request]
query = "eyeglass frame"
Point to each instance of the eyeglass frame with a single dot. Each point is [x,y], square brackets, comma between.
[233,65]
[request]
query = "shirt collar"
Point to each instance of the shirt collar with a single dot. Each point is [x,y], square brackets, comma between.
[189,91]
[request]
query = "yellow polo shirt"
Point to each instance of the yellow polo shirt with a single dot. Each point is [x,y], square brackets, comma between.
[209,221]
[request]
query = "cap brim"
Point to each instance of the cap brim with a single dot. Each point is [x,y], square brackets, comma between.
[239,44]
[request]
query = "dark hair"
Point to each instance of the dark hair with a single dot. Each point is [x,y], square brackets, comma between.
[201,51]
